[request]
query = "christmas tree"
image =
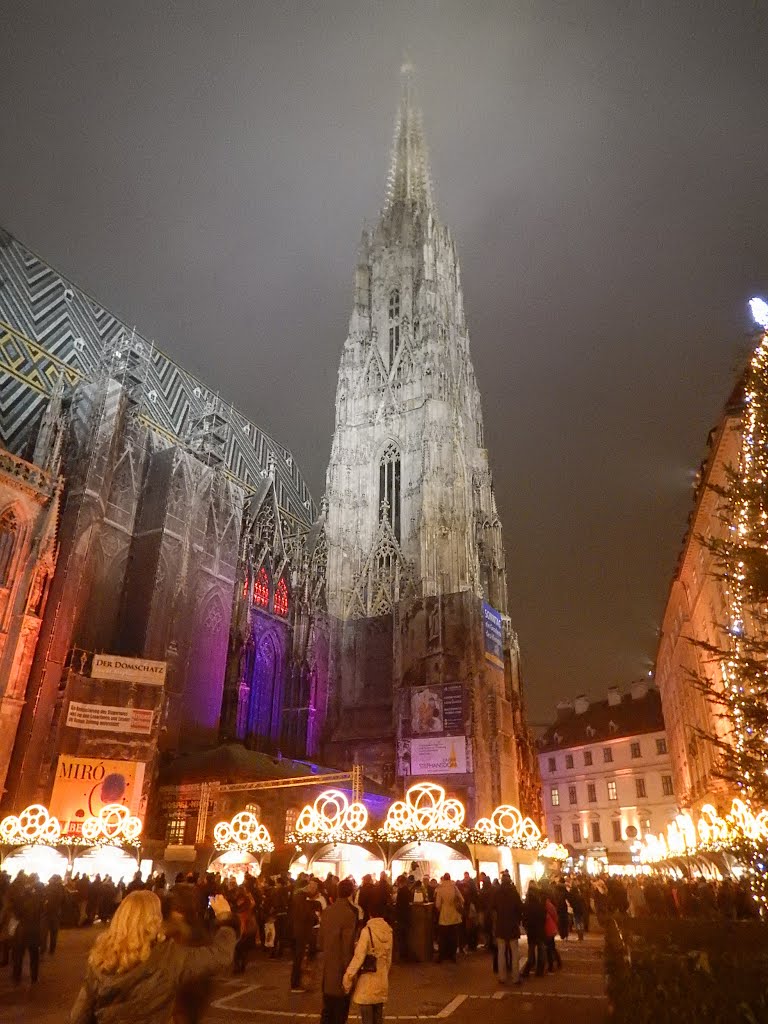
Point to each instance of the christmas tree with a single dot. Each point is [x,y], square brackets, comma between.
[739,686]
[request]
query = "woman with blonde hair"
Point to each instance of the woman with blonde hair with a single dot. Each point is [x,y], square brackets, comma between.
[134,973]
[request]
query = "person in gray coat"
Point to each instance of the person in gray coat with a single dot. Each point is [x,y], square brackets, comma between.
[135,974]
[338,929]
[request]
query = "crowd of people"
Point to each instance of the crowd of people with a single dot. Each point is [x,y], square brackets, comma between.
[360,929]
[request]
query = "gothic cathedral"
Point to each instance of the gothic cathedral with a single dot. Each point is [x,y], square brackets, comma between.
[423,674]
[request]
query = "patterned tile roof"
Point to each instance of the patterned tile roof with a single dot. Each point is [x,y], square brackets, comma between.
[49,327]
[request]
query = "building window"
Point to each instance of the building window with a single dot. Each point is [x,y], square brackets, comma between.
[261,589]
[587,758]
[174,831]
[616,825]
[569,760]
[661,746]
[634,750]
[592,792]
[607,755]
[389,488]
[596,832]
[571,794]
[555,796]
[611,790]
[640,787]
[281,598]
[8,535]
[576,832]
[666,785]
[394,324]
[558,830]
[552,764]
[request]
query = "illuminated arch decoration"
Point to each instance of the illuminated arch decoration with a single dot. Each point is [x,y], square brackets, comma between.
[114,824]
[507,827]
[332,818]
[711,833]
[261,589]
[244,834]
[554,851]
[424,811]
[281,598]
[33,826]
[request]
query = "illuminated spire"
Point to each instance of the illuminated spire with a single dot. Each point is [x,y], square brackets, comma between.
[409,179]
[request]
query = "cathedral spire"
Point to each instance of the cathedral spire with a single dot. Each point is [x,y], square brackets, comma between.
[409,179]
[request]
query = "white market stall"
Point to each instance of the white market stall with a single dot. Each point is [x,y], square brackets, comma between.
[240,846]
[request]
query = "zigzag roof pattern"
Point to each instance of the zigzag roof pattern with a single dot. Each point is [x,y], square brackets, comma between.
[50,328]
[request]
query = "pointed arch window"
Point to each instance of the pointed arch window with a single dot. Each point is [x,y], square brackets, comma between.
[9,532]
[389,487]
[261,589]
[394,324]
[281,598]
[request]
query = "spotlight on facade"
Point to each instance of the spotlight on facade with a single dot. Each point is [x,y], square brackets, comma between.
[759,309]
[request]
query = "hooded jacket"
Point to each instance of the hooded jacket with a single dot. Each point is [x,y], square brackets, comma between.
[146,993]
[376,938]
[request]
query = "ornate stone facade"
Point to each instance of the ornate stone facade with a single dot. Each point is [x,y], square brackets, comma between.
[414,537]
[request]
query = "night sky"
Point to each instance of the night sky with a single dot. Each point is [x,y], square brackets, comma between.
[205,170]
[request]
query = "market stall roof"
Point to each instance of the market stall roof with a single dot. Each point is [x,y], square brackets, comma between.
[232,762]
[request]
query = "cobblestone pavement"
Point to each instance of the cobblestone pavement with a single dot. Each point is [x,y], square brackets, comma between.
[462,993]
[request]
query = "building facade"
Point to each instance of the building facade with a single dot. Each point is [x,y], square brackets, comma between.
[606,774]
[696,612]
[424,674]
[140,518]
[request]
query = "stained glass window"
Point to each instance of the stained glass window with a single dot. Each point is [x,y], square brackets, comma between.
[261,589]
[245,587]
[281,598]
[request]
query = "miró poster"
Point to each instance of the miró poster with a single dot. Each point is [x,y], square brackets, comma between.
[86,784]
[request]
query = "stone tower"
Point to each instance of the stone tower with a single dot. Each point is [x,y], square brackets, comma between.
[423,673]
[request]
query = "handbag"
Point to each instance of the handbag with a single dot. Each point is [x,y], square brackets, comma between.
[369,963]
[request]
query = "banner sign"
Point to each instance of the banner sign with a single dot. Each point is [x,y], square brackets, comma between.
[493,636]
[437,710]
[446,755]
[129,670]
[453,708]
[107,718]
[85,784]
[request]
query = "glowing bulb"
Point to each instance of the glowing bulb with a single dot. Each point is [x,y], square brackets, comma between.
[759,309]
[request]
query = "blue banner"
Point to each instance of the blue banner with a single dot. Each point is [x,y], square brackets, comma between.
[493,636]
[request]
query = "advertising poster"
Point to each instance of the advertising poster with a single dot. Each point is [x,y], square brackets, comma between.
[445,755]
[85,784]
[426,710]
[493,636]
[108,718]
[453,708]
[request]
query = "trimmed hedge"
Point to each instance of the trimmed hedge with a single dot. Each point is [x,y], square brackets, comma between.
[667,971]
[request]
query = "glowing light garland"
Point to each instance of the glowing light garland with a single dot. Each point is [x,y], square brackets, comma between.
[33,826]
[243,834]
[114,824]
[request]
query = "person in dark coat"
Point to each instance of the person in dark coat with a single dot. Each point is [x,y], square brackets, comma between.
[338,930]
[560,899]
[134,975]
[54,908]
[27,907]
[303,920]
[507,915]
[534,919]
[403,901]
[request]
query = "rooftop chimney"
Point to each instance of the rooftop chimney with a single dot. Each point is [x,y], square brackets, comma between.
[580,704]
[564,709]
[639,689]
[614,697]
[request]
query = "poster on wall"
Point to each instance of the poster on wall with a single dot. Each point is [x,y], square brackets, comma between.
[85,784]
[493,636]
[426,710]
[128,670]
[445,755]
[108,718]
